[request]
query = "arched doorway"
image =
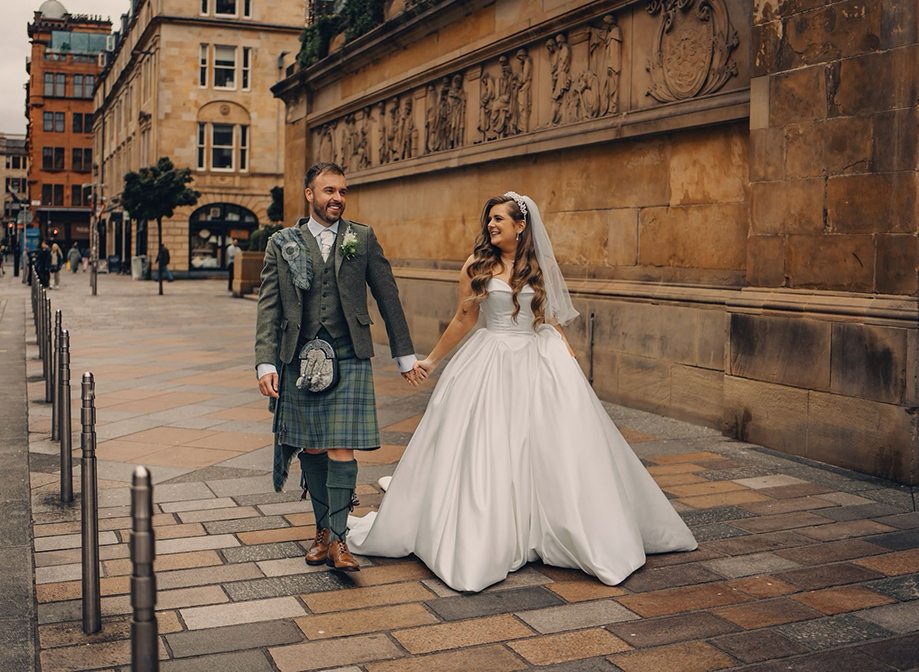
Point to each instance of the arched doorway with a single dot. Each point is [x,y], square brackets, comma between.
[211,228]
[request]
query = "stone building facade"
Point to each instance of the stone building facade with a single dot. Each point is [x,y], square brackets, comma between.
[63,68]
[190,80]
[732,200]
[14,169]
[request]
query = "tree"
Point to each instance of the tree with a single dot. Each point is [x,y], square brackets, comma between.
[155,192]
[276,209]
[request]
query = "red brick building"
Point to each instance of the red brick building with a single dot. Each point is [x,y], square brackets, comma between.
[63,70]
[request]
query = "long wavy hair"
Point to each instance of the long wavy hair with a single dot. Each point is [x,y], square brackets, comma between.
[487,263]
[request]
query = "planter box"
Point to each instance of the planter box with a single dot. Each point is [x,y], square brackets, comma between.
[247,271]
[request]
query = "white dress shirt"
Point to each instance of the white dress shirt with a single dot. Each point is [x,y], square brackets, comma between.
[405,363]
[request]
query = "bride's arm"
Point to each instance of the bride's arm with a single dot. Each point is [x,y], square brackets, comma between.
[558,328]
[462,323]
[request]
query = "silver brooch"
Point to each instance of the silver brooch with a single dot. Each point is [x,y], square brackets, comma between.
[290,251]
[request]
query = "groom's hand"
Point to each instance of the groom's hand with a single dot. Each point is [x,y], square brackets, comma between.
[410,377]
[268,385]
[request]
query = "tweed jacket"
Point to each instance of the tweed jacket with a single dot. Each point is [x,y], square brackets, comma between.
[280,303]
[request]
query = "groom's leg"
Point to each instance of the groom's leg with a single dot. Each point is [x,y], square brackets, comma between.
[341,483]
[314,467]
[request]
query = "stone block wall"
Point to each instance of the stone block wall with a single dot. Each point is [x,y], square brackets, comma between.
[744,257]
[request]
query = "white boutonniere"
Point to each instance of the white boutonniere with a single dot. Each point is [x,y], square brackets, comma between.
[349,244]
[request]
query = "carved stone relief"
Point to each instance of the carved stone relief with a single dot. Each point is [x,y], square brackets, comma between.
[575,75]
[691,55]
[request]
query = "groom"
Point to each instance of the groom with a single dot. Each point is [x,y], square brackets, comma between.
[314,286]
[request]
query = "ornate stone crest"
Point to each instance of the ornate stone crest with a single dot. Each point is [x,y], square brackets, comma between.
[692,51]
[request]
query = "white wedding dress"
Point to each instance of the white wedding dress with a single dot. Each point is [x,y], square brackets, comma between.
[516,460]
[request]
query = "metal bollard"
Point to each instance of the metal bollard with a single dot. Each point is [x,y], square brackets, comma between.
[55,378]
[66,432]
[39,317]
[92,606]
[48,374]
[144,653]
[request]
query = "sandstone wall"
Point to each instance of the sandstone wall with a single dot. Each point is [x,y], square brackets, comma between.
[740,238]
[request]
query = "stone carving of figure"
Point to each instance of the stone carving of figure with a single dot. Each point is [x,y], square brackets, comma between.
[363,143]
[560,68]
[326,143]
[584,97]
[430,120]
[443,116]
[606,61]
[408,136]
[564,69]
[457,101]
[486,102]
[524,91]
[385,150]
[347,143]
[393,137]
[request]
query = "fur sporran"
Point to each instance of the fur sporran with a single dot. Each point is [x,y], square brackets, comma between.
[318,367]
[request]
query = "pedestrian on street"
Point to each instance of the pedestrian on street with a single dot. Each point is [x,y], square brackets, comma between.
[232,251]
[57,260]
[313,325]
[3,251]
[162,263]
[43,263]
[74,257]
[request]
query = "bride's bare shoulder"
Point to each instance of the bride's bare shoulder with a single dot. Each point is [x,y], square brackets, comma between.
[468,262]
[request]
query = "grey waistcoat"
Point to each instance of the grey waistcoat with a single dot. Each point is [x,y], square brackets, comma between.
[322,304]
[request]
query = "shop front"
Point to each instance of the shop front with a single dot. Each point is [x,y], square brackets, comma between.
[211,229]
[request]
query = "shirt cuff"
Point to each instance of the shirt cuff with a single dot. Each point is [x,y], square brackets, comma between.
[405,363]
[265,368]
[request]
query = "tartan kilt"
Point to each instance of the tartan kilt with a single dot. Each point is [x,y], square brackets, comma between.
[345,417]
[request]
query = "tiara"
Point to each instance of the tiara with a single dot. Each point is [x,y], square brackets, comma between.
[518,199]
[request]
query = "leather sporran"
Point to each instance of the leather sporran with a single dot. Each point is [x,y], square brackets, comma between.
[318,367]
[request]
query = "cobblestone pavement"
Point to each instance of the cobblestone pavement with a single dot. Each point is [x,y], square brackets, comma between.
[799,567]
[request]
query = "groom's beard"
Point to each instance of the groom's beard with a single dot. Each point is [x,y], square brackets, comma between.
[322,212]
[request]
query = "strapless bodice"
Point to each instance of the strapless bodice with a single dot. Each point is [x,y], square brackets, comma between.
[498,309]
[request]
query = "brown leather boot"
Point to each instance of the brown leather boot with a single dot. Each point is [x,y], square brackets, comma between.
[319,551]
[340,557]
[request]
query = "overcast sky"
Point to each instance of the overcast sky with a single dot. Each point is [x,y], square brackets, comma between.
[14,47]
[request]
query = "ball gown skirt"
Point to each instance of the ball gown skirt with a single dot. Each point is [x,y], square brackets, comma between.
[516,460]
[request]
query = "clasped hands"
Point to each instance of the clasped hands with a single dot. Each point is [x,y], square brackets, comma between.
[419,372]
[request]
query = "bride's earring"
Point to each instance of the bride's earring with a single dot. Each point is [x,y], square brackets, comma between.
[518,235]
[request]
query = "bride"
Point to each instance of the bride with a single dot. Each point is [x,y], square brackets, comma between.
[515,458]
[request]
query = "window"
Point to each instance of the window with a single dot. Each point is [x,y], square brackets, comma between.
[59,158]
[224,67]
[59,121]
[81,123]
[47,122]
[201,146]
[76,195]
[58,194]
[46,194]
[243,147]
[204,6]
[19,162]
[83,86]
[247,59]
[47,158]
[77,161]
[221,147]
[202,70]
[225,7]
[60,84]
[247,8]
[49,84]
